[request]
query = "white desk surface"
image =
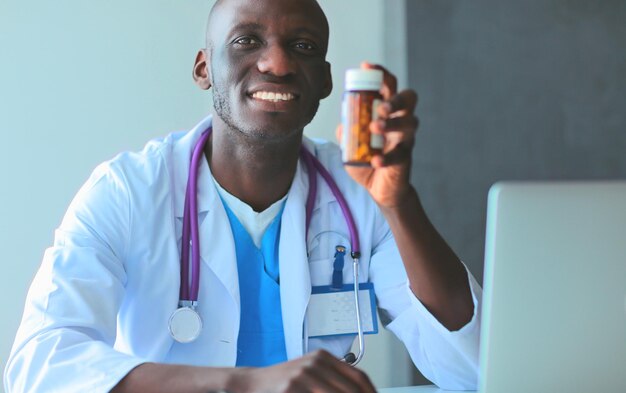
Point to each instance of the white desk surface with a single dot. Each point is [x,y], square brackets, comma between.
[416,389]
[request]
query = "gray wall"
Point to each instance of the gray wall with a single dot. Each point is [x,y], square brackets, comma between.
[512,90]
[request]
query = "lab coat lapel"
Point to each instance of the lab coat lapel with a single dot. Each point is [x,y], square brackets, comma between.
[217,246]
[295,281]
[324,196]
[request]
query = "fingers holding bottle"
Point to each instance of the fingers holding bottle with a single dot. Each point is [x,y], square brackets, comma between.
[397,123]
[395,120]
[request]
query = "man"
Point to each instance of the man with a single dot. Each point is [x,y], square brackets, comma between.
[97,312]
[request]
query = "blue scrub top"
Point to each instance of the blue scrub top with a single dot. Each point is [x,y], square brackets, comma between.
[261,340]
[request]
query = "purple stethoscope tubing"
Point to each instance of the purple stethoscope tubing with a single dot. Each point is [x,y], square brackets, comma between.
[190,225]
[190,218]
[312,162]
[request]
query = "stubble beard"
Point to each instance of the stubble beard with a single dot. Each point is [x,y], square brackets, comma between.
[223,110]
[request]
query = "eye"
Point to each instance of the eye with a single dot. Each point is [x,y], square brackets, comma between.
[246,41]
[305,46]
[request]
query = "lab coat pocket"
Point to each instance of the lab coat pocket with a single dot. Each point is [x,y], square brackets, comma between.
[324,244]
[321,271]
[322,249]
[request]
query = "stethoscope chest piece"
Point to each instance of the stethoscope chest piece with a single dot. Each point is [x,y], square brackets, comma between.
[185,324]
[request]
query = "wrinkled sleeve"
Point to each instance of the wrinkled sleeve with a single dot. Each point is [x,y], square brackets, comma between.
[66,337]
[447,358]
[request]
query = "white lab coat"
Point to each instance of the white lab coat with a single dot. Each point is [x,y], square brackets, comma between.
[100,303]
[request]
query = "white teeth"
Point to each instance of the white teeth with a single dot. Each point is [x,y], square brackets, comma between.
[273,97]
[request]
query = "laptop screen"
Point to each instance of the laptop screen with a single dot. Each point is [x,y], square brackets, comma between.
[554,302]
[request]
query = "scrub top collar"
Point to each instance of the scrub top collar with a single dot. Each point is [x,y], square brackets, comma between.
[207,193]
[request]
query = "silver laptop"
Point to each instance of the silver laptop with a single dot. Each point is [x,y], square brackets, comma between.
[554,303]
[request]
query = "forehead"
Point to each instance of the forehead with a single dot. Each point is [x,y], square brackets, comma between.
[275,15]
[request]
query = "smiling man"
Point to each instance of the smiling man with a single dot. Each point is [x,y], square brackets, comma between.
[104,311]
[266,63]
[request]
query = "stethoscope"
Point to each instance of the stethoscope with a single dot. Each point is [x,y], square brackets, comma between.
[185,324]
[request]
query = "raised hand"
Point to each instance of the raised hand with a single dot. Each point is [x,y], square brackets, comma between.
[387,180]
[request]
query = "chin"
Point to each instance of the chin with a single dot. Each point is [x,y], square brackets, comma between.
[273,126]
[271,133]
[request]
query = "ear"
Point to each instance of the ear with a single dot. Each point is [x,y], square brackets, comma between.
[328,83]
[201,74]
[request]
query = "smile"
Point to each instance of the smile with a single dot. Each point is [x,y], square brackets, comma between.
[272,96]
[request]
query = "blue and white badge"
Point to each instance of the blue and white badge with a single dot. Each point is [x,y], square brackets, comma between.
[332,312]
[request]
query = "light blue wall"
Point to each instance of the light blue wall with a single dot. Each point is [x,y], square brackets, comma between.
[81,81]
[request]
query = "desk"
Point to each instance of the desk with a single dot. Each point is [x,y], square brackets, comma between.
[417,389]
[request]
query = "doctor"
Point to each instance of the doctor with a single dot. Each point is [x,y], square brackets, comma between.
[96,317]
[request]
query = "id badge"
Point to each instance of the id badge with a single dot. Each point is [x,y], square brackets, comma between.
[332,312]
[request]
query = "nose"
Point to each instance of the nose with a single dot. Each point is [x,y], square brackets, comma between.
[275,60]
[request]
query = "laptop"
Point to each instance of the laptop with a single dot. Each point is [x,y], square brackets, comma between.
[554,301]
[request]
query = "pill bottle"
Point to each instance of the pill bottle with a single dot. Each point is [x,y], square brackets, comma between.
[359,108]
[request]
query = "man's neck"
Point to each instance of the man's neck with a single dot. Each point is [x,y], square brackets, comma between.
[256,172]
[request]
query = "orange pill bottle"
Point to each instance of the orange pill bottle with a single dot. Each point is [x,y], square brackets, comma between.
[359,108]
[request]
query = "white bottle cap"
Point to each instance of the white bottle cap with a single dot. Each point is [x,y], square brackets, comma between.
[360,79]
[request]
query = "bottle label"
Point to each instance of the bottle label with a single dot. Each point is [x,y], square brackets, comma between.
[377,141]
